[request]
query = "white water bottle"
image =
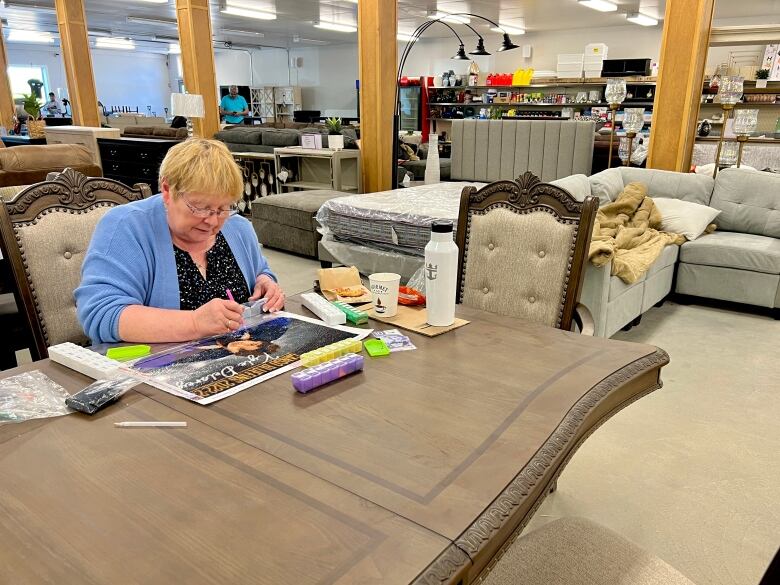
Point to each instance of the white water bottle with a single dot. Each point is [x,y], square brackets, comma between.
[441,271]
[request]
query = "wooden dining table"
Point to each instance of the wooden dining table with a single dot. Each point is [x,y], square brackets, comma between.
[420,469]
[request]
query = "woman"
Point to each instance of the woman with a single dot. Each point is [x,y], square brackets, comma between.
[159,270]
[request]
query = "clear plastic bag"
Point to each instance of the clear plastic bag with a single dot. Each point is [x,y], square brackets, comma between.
[31,395]
[100,394]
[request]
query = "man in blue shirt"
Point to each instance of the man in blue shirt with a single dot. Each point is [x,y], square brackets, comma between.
[233,107]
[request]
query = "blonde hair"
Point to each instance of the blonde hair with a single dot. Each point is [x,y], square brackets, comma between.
[202,166]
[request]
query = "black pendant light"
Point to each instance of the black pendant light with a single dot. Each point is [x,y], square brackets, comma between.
[461,54]
[480,50]
[507,44]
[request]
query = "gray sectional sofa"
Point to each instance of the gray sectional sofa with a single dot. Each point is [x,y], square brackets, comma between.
[739,262]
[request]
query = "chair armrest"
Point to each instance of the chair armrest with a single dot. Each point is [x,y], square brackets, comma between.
[584,320]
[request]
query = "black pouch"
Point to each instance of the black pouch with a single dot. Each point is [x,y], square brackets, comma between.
[100,394]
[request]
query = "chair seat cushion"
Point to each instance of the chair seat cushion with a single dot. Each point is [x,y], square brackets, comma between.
[575,550]
[293,209]
[734,250]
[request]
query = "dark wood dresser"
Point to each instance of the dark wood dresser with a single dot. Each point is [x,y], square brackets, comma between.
[133,160]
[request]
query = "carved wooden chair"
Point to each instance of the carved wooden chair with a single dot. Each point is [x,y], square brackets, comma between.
[523,245]
[45,231]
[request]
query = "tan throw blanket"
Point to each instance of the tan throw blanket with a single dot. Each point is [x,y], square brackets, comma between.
[627,231]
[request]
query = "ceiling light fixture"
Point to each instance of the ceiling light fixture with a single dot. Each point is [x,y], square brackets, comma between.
[298,39]
[114,43]
[600,5]
[248,13]
[152,21]
[35,7]
[451,18]
[503,28]
[641,19]
[29,36]
[335,26]
[235,31]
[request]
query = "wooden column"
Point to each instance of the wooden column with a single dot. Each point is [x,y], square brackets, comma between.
[7,106]
[686,36]
[377,25]
[74,43]
[197,59]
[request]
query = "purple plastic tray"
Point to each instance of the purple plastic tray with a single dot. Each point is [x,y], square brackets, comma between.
[310,378]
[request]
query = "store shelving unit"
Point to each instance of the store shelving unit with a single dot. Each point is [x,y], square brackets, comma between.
[557,94]
[263,104]
[287,101]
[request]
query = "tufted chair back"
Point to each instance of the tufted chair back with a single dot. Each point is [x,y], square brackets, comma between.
[45,231]
[523,246]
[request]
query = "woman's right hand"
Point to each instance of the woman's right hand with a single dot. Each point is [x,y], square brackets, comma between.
[218,316]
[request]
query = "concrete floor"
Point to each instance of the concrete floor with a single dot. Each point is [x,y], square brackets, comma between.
[692,471]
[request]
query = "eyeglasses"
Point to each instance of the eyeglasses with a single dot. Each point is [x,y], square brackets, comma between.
[205,212]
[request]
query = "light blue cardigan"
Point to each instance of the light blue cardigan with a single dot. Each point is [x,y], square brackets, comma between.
[130,261]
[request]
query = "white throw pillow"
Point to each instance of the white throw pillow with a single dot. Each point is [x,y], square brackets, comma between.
[684,217]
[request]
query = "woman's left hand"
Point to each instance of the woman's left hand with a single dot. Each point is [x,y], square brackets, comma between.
[268,289]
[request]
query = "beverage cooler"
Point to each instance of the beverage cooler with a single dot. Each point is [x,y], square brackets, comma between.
[411,108]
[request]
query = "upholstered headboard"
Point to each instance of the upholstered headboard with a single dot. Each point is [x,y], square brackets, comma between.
[493,150]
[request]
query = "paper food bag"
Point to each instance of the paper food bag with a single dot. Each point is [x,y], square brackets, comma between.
[343,284]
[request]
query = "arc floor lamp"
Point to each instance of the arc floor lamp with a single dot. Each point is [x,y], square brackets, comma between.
[506,45]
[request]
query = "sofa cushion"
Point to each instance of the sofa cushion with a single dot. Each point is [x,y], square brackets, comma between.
[294,209]
[241,135]
[750,201]
[170,132]
[686,186]
[617,287]
[734,250]
[138,131]
[606,185]
[667,258]
[44,156]
[577,185]
[274,137]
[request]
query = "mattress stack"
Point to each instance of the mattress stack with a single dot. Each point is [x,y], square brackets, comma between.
[398,220]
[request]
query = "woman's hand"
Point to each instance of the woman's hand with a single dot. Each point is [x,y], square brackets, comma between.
[268,289]
[217,316]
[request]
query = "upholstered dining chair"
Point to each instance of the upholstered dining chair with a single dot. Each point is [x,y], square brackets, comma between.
[523,245]
[45,232]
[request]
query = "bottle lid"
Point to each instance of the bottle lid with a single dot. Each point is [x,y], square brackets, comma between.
[441,226]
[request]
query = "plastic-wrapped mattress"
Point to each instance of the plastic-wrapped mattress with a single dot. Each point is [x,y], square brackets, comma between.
[392,220]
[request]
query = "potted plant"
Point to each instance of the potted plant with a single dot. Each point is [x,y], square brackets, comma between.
[762,75]
[335,138]
[31,105]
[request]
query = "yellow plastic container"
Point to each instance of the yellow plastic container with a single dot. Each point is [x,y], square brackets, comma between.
[331,352]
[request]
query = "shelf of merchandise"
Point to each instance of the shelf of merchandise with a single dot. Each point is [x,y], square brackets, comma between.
[533,104]
[287,101]
[555,82]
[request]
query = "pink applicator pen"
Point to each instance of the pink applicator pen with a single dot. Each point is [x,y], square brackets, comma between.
[230,295]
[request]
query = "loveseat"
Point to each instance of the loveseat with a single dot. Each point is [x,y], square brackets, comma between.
[739,262]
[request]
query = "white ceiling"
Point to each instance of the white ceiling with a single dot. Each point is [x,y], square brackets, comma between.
[295,18]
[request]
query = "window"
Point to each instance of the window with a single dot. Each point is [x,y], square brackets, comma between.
[19,74]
